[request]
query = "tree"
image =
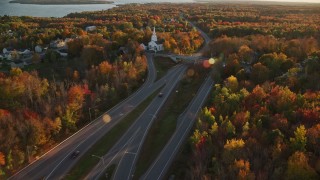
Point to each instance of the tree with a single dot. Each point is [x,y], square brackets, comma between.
[232,83]
[242,170]
[92,55]
[299,142]
[15,72]
[246,54]
[299,168]
[75,97]
[36,58]
[2,159]
[313,136]
[260,73]
[234,144]
[75,47]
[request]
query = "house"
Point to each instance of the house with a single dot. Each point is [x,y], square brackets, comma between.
[24,54]
[63,52]
[17,64]
[91,28]
[122,51]
[57,44]
[143,47]
[7,50]
[154,44]
[38,49]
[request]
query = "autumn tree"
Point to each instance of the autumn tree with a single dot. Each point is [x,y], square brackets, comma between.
[260,73]
[299,141]
[92,55]
[299,168]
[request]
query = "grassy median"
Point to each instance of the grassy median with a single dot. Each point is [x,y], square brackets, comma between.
[165,124]
[87,162]
[162,65]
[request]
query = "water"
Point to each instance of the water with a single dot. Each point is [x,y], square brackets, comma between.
[14,9]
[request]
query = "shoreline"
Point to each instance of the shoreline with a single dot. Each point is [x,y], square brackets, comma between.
[60,2]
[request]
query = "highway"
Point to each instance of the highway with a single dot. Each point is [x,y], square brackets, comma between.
[160,166]
[57,162]
[126,149]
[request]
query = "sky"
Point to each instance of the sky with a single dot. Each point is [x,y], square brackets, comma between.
[300,1]
[313,1]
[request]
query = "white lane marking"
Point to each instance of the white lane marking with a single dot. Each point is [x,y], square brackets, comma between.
[162,152]
[129,141]
[150,123]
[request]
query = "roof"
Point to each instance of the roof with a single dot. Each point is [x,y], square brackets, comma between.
[18,61]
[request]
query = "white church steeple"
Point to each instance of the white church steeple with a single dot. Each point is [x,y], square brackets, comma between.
[154,35]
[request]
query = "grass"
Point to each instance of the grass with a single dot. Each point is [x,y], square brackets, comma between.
[108,173]
[87,162]
[162,64]
[165,125]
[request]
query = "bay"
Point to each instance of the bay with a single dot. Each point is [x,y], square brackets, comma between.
[14,9]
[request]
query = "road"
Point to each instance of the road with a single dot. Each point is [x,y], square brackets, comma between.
[128,147]
[160,166]
[57,162]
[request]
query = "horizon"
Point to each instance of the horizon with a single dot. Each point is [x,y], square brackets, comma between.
[276,1]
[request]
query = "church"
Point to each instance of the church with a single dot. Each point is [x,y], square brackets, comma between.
[154,44]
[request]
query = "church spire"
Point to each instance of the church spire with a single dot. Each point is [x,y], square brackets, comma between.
[154,35]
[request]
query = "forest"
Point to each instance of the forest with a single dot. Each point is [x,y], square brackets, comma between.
[47,101]
[262,120]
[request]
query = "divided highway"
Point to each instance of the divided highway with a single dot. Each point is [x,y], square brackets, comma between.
[57,162]
[160,166]
[127,148]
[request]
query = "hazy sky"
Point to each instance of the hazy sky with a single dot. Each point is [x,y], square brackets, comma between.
[314,1]
[300,1]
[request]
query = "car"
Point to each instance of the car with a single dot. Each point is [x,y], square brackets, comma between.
[160,94]
[75,154]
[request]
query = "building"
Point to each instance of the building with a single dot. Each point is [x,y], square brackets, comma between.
[91,28]
[38,49]
[57,44]
[154,44]
[17,64]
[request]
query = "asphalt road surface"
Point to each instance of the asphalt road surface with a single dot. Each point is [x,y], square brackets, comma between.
[57,162]
[126,149]
[160,166]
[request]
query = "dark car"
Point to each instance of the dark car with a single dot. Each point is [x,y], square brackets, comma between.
[160,94]
[75,154]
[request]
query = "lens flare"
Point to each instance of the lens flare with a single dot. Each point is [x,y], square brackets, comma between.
[190,72]
[206,64]
[106,118]
[212,61]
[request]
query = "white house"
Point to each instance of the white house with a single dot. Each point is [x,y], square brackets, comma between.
[63,52]
[91,28]
[38,49]
[154,45]
[143,47]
